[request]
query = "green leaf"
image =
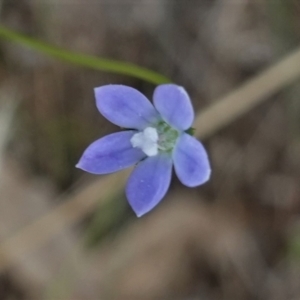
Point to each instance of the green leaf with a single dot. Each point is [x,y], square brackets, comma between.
[89,61]
[191,131]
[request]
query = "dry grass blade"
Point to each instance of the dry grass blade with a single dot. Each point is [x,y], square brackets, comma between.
[64,215]
[257,90]
[212,119]
[7,110]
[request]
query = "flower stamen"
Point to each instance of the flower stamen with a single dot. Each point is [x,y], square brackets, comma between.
[151,139]
[146,140]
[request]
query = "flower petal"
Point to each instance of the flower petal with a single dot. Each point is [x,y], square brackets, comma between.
[111,153]
[125,106]
[174,105]
[190,161]
[148,183]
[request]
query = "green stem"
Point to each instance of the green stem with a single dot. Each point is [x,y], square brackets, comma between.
[89,61]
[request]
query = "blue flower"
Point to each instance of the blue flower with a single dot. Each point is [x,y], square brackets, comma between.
[155,140]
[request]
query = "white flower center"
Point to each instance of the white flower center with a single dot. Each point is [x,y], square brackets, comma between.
[154,139]
[147,140]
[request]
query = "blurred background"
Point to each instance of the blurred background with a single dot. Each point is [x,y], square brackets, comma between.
[67,235]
